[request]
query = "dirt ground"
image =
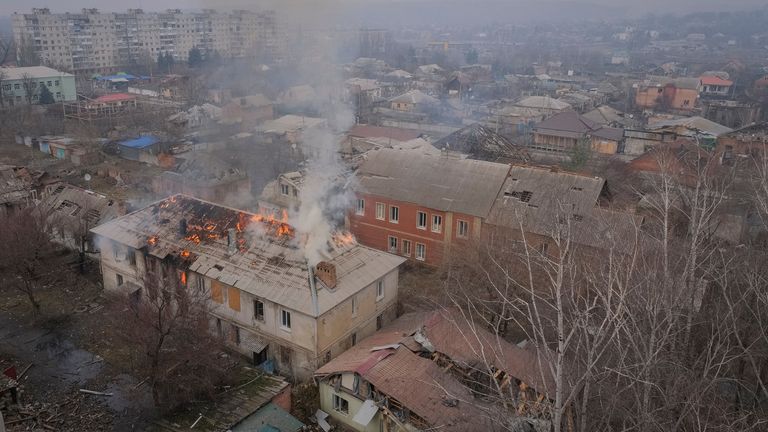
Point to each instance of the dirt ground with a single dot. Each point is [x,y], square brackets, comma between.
[68,350]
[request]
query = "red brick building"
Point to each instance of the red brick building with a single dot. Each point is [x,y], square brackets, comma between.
[418,205]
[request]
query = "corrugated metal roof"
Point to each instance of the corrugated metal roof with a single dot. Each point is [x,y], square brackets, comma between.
[17,73]
[140,142]
[442,183]
[265,266]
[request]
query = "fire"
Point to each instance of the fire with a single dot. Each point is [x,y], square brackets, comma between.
[194,237]
[209,226]
[344,238]
[184,254]
[184,278]
[152,240]
[279,227]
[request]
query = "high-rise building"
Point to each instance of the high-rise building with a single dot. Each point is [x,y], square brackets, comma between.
[95,42]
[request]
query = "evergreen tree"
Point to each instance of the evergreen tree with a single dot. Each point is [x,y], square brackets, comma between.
[46,97]
[161,65]
[195,58]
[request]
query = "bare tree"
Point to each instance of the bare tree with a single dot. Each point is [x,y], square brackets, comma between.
[30,87]
[166,324]
[26,53]
[3,77]
[29,260]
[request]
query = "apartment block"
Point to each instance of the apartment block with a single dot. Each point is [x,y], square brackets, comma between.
[99,42]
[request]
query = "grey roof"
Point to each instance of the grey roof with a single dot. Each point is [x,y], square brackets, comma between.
[481,142]
[264,264]
[543,102]
[573,125]
[694,123]
[416,97]
[17,73]
[17,183]
[290,123]
[605,115]
[74,207]
[442,183]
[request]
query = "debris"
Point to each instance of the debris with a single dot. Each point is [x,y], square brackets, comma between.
[24,371]
[196,421]
[95,392]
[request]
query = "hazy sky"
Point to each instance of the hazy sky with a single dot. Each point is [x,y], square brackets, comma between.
[7,7]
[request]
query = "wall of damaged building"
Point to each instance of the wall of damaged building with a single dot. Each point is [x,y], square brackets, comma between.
[327,392]
[378,233]
[337,326]
[120,264]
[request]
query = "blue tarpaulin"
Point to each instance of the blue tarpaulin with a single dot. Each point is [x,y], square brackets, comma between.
[141,142]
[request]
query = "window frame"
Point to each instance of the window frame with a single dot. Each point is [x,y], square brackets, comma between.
[354,306]
[459,224]
[381,211]
[338,406]
[285,190]
[360,208]
[380,289]
[406,251]
[437,223]
[390,249]
[394,214]
[423,256]
[419,225]
[256,303]
[283,315]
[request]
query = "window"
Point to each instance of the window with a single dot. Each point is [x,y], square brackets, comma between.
[17,86]
[380,211]
[379,322]
[49,83]
[524,196]
[380,289]
[437,223]
[58,95]
[394,214]
[119,279]
[421,252]
[200,283]
[360,211]
[353,339]
[354,306]
[56,82]
[463,229]
[235,334]
[392,244]
[132,257]
[421,220]
[285,319]
[406,247]
[340,404]
[285,189]
[218,327]
[258,310]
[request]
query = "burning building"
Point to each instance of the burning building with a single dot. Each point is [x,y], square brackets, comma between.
[267,302]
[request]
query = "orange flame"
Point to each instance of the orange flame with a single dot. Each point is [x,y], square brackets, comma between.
[185,254]
[344,238]
[194,237]
[152,240]
[184,278]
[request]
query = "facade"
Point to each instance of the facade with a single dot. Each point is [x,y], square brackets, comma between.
[715,86]
[207,177]
[15,82]
[680,94]
[267,302]
[419,206]
[565,131]
[411,375]
[743,144]
[99,42]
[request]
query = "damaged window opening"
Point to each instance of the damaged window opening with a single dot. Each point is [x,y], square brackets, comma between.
[285,189]
[258,310]
[360,210]
[523,196]
[340,404]
[394,214]
[421,220]
[462,229]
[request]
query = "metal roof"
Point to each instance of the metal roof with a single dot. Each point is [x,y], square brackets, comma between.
[37,72]
[140,142]
[267,266]
[444,182]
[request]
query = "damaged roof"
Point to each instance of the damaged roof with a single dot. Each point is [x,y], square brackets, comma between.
[483,143]
[571,124]
[263,263]
[17,183]
[397,361]
[76,207]
[444,182]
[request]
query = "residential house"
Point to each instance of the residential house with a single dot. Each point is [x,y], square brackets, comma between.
[145,148]
[699,129]
[743,144]
[545,105]
[205,176]
[283,193]
[267,302]
[411,375]
[539,204]
[640,141]
[414,101]
[73,211]
[566,131]
[419,206]
[480,142]
[362,138]
[731,113]
[290,128]
[676,94]
[20,84]
[19,187]
[248,111]
[715,86]
[611,117]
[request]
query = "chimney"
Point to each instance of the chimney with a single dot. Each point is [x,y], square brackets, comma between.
[231,241]
[183,227]
[326,272]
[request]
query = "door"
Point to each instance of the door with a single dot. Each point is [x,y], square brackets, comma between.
[261,356]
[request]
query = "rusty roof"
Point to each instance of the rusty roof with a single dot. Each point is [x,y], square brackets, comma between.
[264,263]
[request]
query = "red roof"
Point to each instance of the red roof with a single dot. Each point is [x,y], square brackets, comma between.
[716,81]
[116,97]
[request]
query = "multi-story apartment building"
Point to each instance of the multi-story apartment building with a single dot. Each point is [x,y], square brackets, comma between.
[266,300]
[96,42]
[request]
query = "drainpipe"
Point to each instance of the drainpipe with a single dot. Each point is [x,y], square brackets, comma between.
[313,289]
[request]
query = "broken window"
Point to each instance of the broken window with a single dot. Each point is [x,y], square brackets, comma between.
[119,279]
[463,229]
[92,216]
[132,257]
[234,335]
[421,220]
[353,339]
[379,322]
[392,244]
[437,223]
[406,247]
[285,189]
[394,214]
[285,356]
[523,196]
[340,404]
[360,211]
[258,310]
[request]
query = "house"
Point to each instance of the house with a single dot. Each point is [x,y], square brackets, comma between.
[58,146]
[535,204]
[283,193]
[290,128]
[419,206]
[412,375]
[677,94]
[207,177]
[544,105]
[704,131]
[198,116]
[414,101]
[743,144]
[145,148]
[73,211]
[268,302]
[19,187]
[362,138]
[731,113]
[481,142]
[640,141]
[15,80]
[248,111]
[565,131]
[715,86]
[608,116]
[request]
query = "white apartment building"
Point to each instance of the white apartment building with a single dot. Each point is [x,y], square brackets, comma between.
[95,42]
